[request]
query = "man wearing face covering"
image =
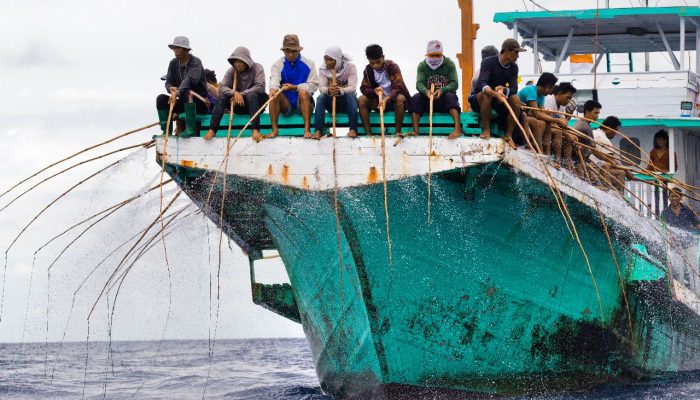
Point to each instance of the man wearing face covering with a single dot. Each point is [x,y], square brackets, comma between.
[441,72]
[343,90]
[248,95]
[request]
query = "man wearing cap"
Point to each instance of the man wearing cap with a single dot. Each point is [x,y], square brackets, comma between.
[296,76]
[438,71]
[343,89]
[185,75]
[248,95]
[498,81]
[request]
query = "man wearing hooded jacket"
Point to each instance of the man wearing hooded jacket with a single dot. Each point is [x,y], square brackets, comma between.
[248,95]
[343,89]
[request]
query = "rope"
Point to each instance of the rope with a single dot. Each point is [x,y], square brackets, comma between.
[145,144]
[567,215]
[78,153]
[627,138]
[55,200]
[430,143]
[386,195]
[128,253]
[335,199]
[229,147]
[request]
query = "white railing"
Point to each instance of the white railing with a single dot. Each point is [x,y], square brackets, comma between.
[646,197]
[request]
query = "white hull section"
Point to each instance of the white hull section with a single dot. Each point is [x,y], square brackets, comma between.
[308,164]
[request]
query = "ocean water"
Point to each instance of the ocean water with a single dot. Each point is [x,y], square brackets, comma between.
[273,369]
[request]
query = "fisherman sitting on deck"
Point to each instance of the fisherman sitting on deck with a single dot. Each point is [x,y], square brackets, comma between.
[540,122]
[248,95]
[341,85]
[558,101]
[185,75]
[602,137]
[438,71]
[582,144]
[297,77]
[678,214]
[498,80]
[382,76]
[486,52]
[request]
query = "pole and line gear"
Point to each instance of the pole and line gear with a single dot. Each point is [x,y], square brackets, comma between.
[386,194]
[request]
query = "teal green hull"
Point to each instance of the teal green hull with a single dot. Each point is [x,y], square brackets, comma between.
[492,296]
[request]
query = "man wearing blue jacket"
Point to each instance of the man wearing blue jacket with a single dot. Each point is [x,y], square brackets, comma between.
[296,76]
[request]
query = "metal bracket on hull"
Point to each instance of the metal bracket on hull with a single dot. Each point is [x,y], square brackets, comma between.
[278,298]
[470,182]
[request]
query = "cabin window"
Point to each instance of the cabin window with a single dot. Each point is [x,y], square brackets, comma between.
[630,148]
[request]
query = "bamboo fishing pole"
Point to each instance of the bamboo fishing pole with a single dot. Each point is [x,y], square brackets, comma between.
[618,156]
[119,204]
[54,201]
[163,157]
[430,143]
[333,101]
[553,185]
[229,147]
[232,106]
[114,210]
[335,194]
[78,153]
[111,277]
[73,166]
[223,191]
[628,139]
[386,192]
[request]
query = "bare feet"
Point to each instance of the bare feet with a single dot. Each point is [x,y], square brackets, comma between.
[257,136]
[180,127]
[210,134]
[307,134]
[456,133]
[271,135]
[509,141]
[352,134]
[316,135]
[485,134]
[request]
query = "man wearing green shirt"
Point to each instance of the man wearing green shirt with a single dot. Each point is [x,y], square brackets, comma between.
[441,72]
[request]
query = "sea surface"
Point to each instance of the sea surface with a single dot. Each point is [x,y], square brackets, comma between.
[273,369]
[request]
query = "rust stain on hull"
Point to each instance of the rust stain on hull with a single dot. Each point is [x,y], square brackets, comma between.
[372,176]
[285,174]
[269,170]
[305,183]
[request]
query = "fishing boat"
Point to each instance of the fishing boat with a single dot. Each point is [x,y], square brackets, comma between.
[440,268]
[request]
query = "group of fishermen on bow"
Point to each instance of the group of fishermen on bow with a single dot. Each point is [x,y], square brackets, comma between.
[294,79]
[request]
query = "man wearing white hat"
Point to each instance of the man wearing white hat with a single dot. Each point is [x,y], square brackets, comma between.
[185,75]
[439,72]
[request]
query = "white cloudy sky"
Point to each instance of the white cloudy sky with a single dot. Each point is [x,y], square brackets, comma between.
[75,72]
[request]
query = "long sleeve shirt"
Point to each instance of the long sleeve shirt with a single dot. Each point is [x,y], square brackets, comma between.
[398,86]
[444,77]
[186,77]
[302,73]
[349,86]
[493,74]
[251,80]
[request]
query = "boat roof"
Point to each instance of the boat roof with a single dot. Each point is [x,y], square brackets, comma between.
[680,122]
[620,30]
